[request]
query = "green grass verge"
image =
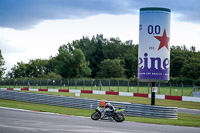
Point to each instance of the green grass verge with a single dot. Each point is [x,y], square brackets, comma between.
[160,102]
[183,119]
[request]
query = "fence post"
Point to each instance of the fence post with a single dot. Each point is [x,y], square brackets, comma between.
[182,87]
[159,88]
[137,86]
[128,86]
[92,84]
[40,84]
[83,84]
[14,83]
[34,83]
[148,88]
[75,84]
[23,84]
[47,83]
[193,84]
[118,85]
[109,84]
[170,88]
[9,83]
[61,84]
[100,85]
[28,84]
[54,84]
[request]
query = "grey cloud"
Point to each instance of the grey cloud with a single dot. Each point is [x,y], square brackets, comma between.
[22,14]
[188,9]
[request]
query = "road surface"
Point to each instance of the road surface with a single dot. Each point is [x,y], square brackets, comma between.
[18,121]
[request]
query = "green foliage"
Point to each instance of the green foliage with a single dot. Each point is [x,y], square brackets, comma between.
[111,69]
[191,69]
[97,57]
[2,63]
[52,75]
[185,63]
[71,63]
[35,68]
[99,49]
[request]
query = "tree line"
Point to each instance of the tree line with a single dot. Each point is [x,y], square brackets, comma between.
[100,57]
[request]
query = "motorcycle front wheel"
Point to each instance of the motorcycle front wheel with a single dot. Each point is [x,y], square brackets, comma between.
[95,116]
[119,117]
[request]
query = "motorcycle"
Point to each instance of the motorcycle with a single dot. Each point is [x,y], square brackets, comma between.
[102,113]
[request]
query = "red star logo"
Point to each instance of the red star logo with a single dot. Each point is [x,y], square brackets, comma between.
[163,40]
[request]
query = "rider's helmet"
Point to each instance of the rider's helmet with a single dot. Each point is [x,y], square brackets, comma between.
[108,104]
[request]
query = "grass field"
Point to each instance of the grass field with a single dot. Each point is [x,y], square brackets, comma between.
[175,91]
[183,119]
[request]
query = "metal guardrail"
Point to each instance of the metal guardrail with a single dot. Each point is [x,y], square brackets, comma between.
[131,109]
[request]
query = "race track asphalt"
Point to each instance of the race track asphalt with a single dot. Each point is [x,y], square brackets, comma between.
[19,121]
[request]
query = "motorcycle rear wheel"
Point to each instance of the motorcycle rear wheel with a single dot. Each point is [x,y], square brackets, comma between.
[95,116]
[119,117]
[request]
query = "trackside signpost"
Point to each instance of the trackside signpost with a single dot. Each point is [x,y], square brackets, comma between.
[154,46]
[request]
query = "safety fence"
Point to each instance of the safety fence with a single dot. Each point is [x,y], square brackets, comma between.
[131,109]
[182,89]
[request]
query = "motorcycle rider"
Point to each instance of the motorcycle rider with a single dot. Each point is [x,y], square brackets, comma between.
[109,109]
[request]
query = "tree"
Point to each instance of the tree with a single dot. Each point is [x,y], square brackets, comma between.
[52,75]
[111,69]
[176,65]
[99,48]
[71,63]
[191,69]
[113,49]
[130,59]
[80,64]
[2,63]
[35,68]
[18,70]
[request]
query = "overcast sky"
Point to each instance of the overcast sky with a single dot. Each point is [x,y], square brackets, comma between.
[31,29]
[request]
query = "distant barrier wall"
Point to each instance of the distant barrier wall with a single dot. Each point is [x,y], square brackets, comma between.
[167,97]
[131,109]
